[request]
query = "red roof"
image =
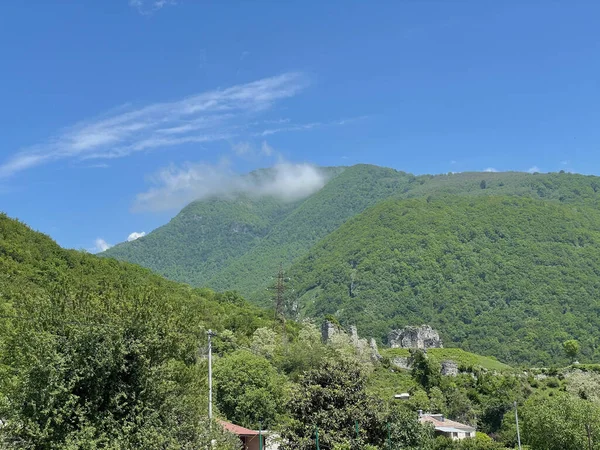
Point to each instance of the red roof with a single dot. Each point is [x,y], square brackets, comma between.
[236,429]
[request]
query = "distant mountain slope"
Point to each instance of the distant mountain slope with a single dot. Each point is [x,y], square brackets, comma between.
[203,238]
[239,242]
[506,276]
[346,195]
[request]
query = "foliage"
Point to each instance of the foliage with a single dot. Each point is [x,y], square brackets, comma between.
[333,399]
[426,370]
[465,360]
[248,390]
[95,353]
[504,276]
[571,349]
[559,422]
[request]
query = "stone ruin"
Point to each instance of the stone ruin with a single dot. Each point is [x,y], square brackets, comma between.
[329,330]
[422,337]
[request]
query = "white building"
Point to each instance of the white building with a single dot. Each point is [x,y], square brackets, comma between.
[449,428]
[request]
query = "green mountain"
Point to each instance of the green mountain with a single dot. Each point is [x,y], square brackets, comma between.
[516,299]
[239,243]
[505,276]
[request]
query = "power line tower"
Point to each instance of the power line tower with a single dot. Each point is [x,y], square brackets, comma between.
[279,294]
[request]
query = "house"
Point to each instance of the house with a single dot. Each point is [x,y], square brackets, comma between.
[250,438]
[449,428]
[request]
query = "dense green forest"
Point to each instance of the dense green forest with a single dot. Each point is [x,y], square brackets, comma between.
[238,243]
[487,258]
[504,276]
[101,354]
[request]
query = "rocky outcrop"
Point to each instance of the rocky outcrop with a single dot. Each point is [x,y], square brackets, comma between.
[328,330]
[374,350]
[449,368]
[422,337]
[401,362]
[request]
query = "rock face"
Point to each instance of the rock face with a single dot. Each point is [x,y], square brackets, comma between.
[423,337]
[374,350]
[401,362]
[328,330]
[449,367]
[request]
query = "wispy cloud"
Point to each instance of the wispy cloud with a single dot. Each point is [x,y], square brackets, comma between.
[175,186]
[135,235]
[307,126]
[146,7]
[209,116]
[101,245]
[490,169]
[534,169]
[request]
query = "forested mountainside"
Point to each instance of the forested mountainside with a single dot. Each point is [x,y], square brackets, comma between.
[502,263]
[96,353]
[239,242]
[505,276]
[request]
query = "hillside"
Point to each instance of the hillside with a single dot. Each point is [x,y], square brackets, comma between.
[238,242]
[502,276]
[94,351]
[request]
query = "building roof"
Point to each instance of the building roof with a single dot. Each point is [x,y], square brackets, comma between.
[236,429]
[442,424]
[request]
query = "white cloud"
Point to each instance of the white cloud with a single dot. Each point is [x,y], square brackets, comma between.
[209,116]
[490,169]
[248,150]
[146,7]
[174,187]
[135,235]
[266,149]
[101,245]
[242,148]
[307,126]
[533,169]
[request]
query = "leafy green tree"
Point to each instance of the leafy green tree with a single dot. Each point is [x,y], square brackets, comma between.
[333,398]
[248,389]
[571,348]
[426,370]
[559,422]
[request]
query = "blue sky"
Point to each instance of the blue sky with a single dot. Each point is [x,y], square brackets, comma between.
[114,113]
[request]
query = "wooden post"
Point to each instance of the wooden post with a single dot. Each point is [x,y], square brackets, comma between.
[589,435]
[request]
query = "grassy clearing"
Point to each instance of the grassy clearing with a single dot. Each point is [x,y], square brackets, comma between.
[461,357]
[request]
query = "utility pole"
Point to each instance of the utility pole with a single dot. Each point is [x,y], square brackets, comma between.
[210,335]
[517,420]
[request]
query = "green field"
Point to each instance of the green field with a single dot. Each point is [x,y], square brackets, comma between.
[464,359]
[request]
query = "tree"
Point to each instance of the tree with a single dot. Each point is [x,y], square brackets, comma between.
[426,370]
[559,422]
[248,389]
[483,184]
[571,348]
[333,398]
